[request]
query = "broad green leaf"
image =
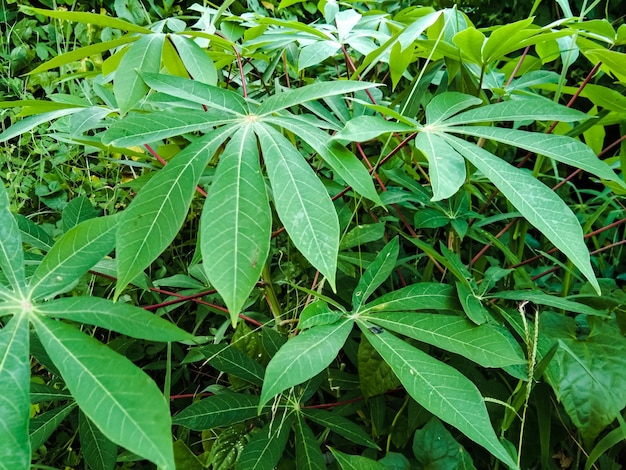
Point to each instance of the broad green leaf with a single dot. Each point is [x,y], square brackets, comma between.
[158,211]
[139,129]
[11,251]
[612,61]
[98,451]
[376,274]
[536,202]
[236,223]
[121,400]
[343,162]
[375,375]
[363,128]
[33,234]
[75,253]
[82,52]
[505,38]
[472,305]
[445,105]
[535,109]
[89,18]
[308,453]
[196,60]
[231,360]
[587,374]
[224,409]
[484,344]
[304,357]
[420,296]
[213,97]
[76,211]
[399,61]
[340,425]
[541,298]
[31,122]
[434,447]
[116,316]
[559,147]
[143,55]
[42,426]
[355,462]
[315,91]
[185,458]
[318,313]
[314,54]
[266,447]
[302,202]
[14,394]
[362,234]
[470,41]
[446,167]
[441,389]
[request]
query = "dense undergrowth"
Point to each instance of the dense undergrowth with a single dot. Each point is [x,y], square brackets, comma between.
[339,235]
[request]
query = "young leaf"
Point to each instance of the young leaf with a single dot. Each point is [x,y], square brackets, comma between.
[420,296]
[446,167]
[116,316]
[472,306]
[115,394]
[355,462]
[11,251]
[483,344]
[535,201]
[308,453]
[77,251]
[224,409]
[236,223]
[304,357]
[440,389]
[340,425]
[266,447]
[376,274]
[143,55]
[302,202]
[156,214]
[14,394]
[98,451]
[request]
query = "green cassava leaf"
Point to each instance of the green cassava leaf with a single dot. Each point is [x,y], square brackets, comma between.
[420,296]
[440,389]
[536,202]
[266,447]
[231,360]
[434,447]
[76,211]
[541,298]
[14,394]
[236,222]
[483,344]
[42,426]
[472,305]
[302,202]
[156,214]
[559,147]
[11,251]
[40,392]
[317,313]
[446,167]
[340,425]
[88,18]
[445,105]
[196,60]
[31,122]
[98,451]
[363,128]
[115,394]
[375,375]
[116,316]
[77,251]
[304,357]
[224,409]
[355,462]
[375,274]
[215,98]
[314,54]
[312,92]
[308,453]
[143,55]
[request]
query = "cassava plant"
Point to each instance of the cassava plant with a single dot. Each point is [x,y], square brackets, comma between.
[375,224]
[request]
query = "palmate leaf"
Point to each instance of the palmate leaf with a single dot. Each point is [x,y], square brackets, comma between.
[304,357]
[308,453]
[11,251]
[536,202]
[117,396]
[446,167]
[14,394]
[440,389]
[301,201]
[77,251]
[156,214]
[236,222]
